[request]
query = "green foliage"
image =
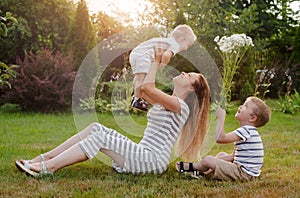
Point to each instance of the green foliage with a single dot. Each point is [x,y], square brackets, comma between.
[245,91]
[263,82]
[290,103]
[4,21]
[259,19]
[44,82]
[81,36]
[6,73]
[41,24]
[105,26]
[58,25]
[99,105]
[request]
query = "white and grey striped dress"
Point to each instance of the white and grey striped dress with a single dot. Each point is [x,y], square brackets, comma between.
[152,154]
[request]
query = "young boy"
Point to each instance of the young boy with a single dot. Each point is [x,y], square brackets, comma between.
[246,161]
[141,57]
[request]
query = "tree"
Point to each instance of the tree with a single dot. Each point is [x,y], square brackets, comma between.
[81,37]
[105,26]
[41,24]
[6,72]
[269,23]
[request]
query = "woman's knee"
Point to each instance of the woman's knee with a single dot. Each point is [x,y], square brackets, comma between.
[94,124]
[88,130]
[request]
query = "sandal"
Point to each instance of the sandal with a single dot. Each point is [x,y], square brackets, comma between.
[26,168]
[42,157]
[45,170]
[181,169]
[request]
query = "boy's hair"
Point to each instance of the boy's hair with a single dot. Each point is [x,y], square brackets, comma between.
[262,111]
[183,31]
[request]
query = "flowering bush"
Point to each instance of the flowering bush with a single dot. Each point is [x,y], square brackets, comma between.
[44,82]
[232,49]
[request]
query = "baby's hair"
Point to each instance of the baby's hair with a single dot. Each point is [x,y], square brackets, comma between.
[183,31]
[262,111]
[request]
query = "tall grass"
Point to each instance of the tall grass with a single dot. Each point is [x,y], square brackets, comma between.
[25,135]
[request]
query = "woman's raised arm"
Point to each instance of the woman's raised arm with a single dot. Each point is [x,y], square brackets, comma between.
[153,95]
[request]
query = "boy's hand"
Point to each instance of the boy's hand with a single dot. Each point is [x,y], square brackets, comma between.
[220,113]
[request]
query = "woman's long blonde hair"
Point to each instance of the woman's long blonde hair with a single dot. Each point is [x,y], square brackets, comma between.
[192,136]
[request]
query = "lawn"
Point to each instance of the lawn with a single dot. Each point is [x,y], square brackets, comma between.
[25,135]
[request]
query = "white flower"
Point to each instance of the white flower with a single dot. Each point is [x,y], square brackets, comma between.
[217,39]
[232,50]
[228,44]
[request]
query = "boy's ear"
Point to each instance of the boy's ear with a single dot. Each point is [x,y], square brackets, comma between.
[253,118]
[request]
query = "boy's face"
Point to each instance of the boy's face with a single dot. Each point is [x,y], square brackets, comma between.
[186,43]
[244,113]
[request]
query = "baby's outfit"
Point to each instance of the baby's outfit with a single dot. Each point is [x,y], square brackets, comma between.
[141,58]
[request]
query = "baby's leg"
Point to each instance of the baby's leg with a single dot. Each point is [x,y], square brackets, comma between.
[137,83]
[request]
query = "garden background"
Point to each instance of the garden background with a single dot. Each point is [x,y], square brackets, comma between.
[43,44]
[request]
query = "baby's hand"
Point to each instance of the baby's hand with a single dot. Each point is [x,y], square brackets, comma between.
[220,113]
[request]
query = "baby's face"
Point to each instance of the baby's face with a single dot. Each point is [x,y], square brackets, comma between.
[186,43]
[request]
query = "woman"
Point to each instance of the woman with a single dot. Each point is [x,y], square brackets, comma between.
[182,116]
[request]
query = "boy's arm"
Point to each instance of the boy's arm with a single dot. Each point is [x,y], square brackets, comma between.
[221,137]
[166,57]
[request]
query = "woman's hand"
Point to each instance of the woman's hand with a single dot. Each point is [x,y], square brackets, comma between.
[159,51]
[153,95]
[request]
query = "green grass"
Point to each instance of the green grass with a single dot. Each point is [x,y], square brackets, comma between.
[25,135]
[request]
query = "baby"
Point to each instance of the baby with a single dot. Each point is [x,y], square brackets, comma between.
[141,57]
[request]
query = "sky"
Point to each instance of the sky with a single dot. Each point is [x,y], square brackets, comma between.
[132,8]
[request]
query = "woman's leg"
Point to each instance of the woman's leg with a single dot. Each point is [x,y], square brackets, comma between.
[65,145]
[116,157]
[75,153]
[70,156]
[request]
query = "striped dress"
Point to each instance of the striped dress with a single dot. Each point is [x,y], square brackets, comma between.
[152,153]
[249,151]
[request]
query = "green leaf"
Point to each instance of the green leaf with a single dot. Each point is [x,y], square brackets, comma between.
[3,30]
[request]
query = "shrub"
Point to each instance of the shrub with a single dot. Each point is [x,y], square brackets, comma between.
[99,105]
[44,82]
[290,103]
[6,73]
[245,91]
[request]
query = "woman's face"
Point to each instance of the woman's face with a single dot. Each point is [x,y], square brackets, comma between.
[185,80]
